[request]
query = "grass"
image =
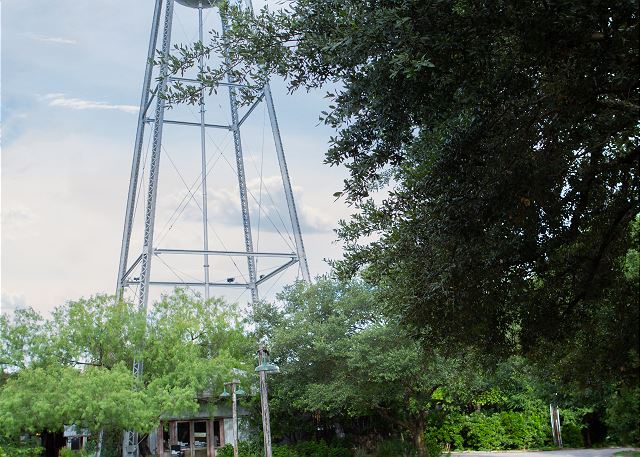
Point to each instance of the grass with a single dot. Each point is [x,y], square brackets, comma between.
[627,454]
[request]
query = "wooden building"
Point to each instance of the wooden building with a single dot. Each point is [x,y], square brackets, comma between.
[194,435]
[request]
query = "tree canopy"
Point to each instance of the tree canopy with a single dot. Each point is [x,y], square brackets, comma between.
[75,368]
[342,360]
[492,151]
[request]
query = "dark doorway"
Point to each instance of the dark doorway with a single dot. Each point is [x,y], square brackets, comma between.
[52,443]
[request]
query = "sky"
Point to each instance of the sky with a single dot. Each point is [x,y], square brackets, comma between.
[71,77]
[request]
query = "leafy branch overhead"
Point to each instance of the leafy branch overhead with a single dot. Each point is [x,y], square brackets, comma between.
[492,151]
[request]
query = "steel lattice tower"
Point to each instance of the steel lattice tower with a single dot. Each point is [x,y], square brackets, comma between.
[134,270]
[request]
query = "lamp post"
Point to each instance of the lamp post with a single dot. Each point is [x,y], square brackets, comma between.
[264,367]
[235,393]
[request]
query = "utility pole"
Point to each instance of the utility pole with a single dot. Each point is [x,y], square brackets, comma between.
[234,410]
[263,368]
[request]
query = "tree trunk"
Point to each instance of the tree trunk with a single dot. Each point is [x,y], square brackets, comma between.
[418,440]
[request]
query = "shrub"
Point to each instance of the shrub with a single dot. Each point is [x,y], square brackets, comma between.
[447,431]
[283,451]
[524,430]
[245,449]
[622,417]
[303,449]
[572,436]
[395,448]
[484,432]
[20,451]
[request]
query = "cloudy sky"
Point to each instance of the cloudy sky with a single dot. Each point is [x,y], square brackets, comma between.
[71,80]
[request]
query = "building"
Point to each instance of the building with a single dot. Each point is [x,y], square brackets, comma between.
[194,435]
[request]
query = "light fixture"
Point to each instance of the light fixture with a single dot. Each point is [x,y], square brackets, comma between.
[224,393]
[267,366]
[240,392]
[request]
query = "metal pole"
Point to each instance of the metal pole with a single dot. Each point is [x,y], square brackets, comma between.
[131,445]
[264,401]
[286,182]
[154,168]
[137,152]
[242,184]
[205,222]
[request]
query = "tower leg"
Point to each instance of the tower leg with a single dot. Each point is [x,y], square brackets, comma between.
[244,204]
[286,182]
[130,444]
[137,153]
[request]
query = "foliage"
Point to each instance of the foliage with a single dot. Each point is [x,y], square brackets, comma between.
[492,151]
[572,436]
[15,448]
[66,452]
[76,367]
[342,359]
[623,416]
[396,448]
[484,432]
[525,430]
[627,454]
[302,449]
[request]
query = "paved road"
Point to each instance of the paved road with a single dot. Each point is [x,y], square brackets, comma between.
[608,452]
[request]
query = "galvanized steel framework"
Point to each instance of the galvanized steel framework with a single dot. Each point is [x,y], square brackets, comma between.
[145,258]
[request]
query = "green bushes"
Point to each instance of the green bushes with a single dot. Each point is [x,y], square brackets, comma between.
[484,432]
[480,431]
[446,430]
[303,449]
[15,448]
[622,417]
[395,448]
[12,451]
[523,430]
[572,436]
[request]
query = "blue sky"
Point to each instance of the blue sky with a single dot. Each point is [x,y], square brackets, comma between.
[71,81]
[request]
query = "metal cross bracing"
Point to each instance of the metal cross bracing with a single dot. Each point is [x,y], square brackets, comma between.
[135,266]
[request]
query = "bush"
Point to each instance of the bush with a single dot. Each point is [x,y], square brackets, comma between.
[283,451]
[447,431]
[20,451]
[318,449]
[524,430]
[395,448]
[622,417]
[304,449]
[571,435]
[484,432]
[245,449]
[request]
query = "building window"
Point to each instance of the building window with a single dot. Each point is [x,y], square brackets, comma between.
[184,435]
[76,443]
[200,440]
[165,436]
[216,433]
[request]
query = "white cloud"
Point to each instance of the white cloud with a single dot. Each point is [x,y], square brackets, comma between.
[224,207]
[52,39]
[9,303]
[60,100]
[16,222]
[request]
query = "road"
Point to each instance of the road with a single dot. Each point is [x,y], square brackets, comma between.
[607,452]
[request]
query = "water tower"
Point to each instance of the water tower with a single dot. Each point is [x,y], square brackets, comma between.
[190,142]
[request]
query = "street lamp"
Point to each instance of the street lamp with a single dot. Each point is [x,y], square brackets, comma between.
[235,393]
[264,367]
